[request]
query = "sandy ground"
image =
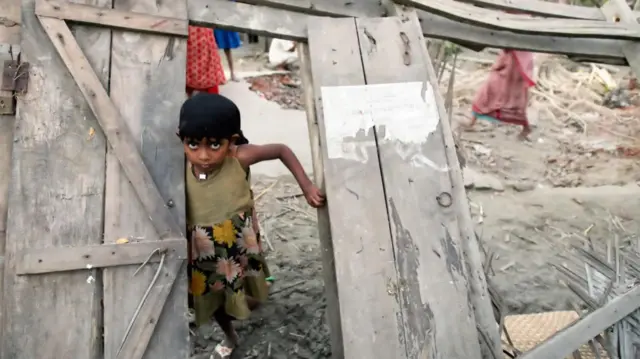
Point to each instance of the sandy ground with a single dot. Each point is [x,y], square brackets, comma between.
[528,200]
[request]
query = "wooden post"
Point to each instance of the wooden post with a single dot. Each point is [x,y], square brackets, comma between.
[6,144]
[56,197]
[324,226]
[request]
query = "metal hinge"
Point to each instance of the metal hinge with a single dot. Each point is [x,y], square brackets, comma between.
[15,81]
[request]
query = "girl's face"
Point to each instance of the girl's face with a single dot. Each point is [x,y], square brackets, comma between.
[207,154]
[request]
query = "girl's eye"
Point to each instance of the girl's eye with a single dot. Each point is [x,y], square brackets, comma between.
[215,146]
[193,146]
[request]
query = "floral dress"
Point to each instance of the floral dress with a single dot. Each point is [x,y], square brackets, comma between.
[225,263]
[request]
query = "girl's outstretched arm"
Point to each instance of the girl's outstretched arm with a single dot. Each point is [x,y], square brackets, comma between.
[251,154]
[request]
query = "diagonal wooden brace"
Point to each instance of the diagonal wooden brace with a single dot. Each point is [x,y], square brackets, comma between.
[121,140]
[566,341]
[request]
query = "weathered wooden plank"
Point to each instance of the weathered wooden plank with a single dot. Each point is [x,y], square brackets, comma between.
[55,198]
[10,22]
[438,319]
[480,300]
[362,247]
[616,10]
[69,258]
[112,18]
[147,87]
[440,27]
[566,341]
[325,7]
[523,23]
[477,37]
[259,20]
[324,223]
[7,52]
[541,8]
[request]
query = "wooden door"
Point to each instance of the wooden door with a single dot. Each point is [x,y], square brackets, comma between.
[394,192]
[95,247]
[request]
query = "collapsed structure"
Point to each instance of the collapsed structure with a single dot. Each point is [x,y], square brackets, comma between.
[92,161]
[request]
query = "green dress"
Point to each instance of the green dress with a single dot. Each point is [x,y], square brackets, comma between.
[225,263]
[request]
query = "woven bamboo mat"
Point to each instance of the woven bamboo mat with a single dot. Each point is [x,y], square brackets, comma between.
[528,330]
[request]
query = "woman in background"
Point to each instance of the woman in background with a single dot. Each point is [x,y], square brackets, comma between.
[505,94]
[204,67]
[228,40]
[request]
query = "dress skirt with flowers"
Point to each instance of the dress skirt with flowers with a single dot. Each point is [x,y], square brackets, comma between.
[225,266]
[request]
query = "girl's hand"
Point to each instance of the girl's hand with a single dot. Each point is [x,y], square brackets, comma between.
[313,195]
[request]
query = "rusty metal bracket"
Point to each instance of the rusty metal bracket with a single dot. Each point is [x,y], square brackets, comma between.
[15,76]
[7,104]
[14,80]
[406,56]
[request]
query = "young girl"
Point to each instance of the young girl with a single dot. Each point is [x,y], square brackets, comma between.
[505,95]
[204,67]
[227,277]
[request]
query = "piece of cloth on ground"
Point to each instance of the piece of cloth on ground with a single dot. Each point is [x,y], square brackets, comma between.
[282,52]
[504,96]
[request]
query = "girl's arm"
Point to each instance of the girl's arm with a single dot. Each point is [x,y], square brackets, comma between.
[251,154]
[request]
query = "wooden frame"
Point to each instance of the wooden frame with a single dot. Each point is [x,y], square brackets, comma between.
[466,31]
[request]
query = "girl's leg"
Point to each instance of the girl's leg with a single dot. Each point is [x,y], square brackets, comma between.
[524,135]
[225,321]
[473,120]
[252,302]
[227,53]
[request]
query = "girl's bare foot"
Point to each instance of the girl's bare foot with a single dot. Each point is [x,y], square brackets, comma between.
[524,135]
[224,349]
[234,78]
[472,122]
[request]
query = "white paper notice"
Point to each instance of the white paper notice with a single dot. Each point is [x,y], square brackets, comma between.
[400,112]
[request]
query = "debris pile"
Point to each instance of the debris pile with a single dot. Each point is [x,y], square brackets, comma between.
[282,88]
[582,122]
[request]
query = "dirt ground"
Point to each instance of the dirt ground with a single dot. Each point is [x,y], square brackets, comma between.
[575,182]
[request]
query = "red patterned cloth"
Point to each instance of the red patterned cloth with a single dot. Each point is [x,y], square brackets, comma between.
[204,67]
